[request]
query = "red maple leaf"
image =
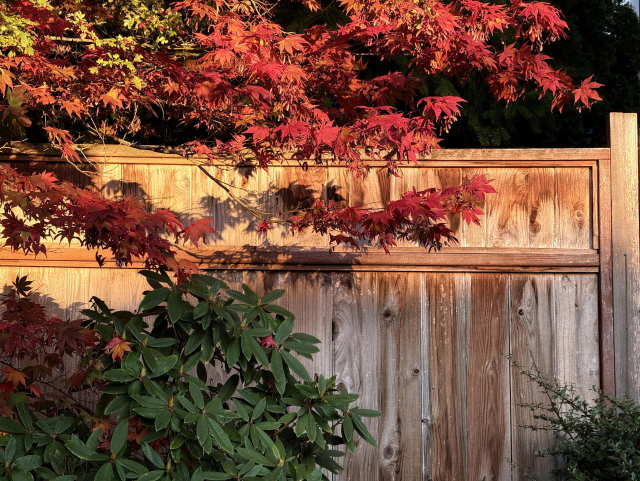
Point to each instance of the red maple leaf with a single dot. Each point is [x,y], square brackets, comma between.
[198,230]
[586,92]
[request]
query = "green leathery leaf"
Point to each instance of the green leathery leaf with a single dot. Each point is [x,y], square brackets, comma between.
[9,426]
[296,366]
[196,395]
[174,305]
[154,298]
[258,351]
[220,437]
[284,331]
[228,388]
[200,309]
[25,415]
[119,436]
[202,429]
[105,473]
[117,404]
[162,420]
[278,371]
[152,456]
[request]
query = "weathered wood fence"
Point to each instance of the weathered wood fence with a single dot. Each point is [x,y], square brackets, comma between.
[423,336]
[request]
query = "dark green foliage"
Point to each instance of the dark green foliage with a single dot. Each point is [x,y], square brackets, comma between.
[604,40]
[598,440]
[270,420]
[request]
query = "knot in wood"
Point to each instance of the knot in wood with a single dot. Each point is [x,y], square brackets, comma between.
[389,452]
[521,312]
[387,313]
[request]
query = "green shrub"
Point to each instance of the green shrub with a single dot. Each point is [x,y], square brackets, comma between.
[159,418]
[597,440]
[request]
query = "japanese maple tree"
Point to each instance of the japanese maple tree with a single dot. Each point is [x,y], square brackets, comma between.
[221,79]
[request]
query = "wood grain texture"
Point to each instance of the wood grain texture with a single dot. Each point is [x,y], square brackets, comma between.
[408,180]
[169,187]
[444,353]
[377,354]
[356,360]
[577,357]
[489,437]
[233,224]
[532,340]
[542,190]
[507,215]
[290,189]
[135,181]
[605,285]
[625,241]
[572,210]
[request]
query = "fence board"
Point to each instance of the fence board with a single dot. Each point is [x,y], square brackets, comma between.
[625,242]
[508,214]
[446,349]
[577,359]
[573,198]
[542,192]
[356,358]
[532,339]
[488,380]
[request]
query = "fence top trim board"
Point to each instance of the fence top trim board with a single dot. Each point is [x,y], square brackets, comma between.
[118,154]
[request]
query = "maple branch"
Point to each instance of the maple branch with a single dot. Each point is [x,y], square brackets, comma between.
[56,388]
[255,213]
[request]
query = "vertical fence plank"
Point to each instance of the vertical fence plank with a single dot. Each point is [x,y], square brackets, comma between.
[447,375]
[577,359]
[377,355]
[573,198]
[399,397]
[356,359]
[488,403]
[625,242]
[533,339]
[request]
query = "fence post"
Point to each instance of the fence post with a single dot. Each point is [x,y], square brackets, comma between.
[625,251]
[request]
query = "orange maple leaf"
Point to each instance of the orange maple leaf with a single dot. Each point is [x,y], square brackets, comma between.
[112,98]
[117,347]
[16,377]
[34,390]
[101,423]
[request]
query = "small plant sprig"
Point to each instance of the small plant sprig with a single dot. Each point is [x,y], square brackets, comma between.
[597,439]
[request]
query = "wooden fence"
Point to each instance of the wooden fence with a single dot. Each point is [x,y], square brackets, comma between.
[422,336]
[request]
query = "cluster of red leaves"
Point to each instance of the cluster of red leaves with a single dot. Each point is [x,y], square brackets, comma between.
[28,334]
[247,83]
[38,208]
[417,216]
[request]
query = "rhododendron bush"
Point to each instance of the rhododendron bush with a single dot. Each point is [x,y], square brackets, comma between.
[158,414]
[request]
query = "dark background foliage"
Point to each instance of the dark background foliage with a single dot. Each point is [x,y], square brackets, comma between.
[604,40]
